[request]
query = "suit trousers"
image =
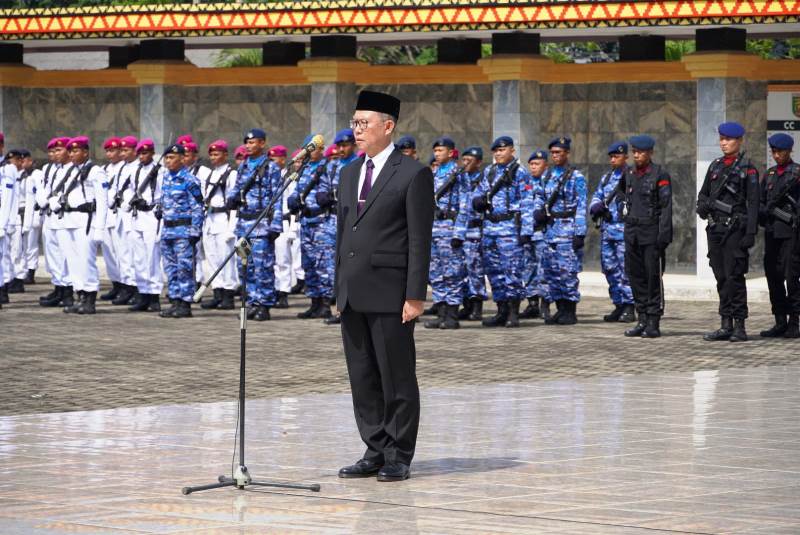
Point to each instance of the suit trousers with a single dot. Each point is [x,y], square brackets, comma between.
[381,364]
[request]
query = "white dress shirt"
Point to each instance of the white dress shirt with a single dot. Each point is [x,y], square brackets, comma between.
[379,160]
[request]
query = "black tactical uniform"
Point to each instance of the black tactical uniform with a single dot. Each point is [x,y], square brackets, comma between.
[728,200]
[648,232]
[780,193]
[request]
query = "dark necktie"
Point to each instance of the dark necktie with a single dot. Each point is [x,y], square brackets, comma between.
[366,187]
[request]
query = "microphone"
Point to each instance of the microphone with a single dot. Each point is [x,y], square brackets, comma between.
[317,142]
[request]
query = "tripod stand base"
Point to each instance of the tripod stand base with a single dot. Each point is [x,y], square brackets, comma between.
[241,479]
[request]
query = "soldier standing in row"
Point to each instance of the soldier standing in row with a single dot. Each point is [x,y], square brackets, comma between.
[122,229]
[728,200]
[112,168]
[408,146]
[648,233]
[606,211]
[32,220]
[288,268]
[780,211]
[9,171]
[536,288]
[469,224]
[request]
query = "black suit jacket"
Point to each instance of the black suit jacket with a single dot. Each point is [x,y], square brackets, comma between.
[383,254]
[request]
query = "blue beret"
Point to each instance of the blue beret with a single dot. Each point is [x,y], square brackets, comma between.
[344,136]
[561,142]
[24,153]
[642,142]
[618,147]
[175,148]
[731,130]
[14,153]
[406,142]
[477,152]
[781,141]
[502,141]
[255,133]
[444,142]
[539,154]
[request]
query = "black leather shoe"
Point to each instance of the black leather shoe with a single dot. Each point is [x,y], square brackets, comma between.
[394,472]
[333,320]
[362,468]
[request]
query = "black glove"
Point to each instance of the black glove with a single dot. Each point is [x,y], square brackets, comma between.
[193,240]
[539,216]
[703,209]
[272,236]
[747,241]
[232,203]
[294,204]
[578,242]
[138,203]
[158,211]
[524,240]
[324,198]
[456,243]
[480,204]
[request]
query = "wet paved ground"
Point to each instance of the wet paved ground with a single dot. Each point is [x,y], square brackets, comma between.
[538,430]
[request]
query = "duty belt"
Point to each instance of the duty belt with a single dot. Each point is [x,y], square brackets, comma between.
[86,208]
[494,218]
[286,217]
[724,220]
[21,211]
[446,214]
[308,212]
[563,215]
[247,217]
[475,223]
[180,222]
[217,210]
[146,208]
[641,220]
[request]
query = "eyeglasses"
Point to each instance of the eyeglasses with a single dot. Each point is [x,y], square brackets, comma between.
[359,124]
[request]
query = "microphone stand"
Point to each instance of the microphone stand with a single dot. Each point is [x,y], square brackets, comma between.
[243,248]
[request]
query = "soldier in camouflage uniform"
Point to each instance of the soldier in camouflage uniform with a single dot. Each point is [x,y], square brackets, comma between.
[498,198]
[258,180]
[469,225]
[560,205]
[606,212]
[181,212]
[532,237]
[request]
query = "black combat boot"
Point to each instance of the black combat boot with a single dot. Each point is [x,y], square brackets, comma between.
[298,287]
[441,309]
[4,294]
[544,308]
[532,310]
[723,333]
[466,309]
[614,315]
[16,286]
[512,321]
[637,329]
[67,299]
[628,314]
[793,327]
[777,330]
[53,298]
[87,306]
[141,304]
[651,329]
[324,311]
[739,334]
[227,300]
[112,293]
[183,309]
[124,296]
[30,277]
[283,300]
[450,318]
[499,319]
[553,319]
[568,315]
[168,312]
[432,311]
[477,309]
[312,311]
[76,303]
[251,311]
[214,302]
[262,314]
[155,303]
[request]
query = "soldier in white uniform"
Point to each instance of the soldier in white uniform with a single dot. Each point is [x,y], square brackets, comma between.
[122,220]
[288,270]
[19,238]
[113,169]
[83,220]
[219,226]
[139,200]
[32,219]
[9,171]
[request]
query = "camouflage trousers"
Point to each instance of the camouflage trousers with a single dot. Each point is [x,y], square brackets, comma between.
[561,265]
[260,275]
[612,262]
[532,272]
[317,250]
[447,271]
[502,261]
[177,257]
[475,282]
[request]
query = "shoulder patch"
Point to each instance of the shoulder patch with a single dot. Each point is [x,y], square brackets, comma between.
[663,182]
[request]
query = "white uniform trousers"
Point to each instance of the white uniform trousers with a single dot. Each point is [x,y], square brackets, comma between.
[109,248]
[32,247]
[287,262]
[54,259]
[18,241]
[80,251]
[217,248]
[200,260]
[147,261]
[123,245]
[5,260]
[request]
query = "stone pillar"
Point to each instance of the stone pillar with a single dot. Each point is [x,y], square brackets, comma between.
[514,68]
[720,67]
[332,70]
[12,74]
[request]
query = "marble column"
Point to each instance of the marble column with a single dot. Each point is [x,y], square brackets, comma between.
[516,113]
[159,114]
[331,107]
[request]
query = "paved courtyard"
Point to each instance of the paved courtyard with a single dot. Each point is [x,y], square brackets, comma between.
[538,430]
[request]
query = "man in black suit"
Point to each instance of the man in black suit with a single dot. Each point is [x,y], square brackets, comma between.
[385,217]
